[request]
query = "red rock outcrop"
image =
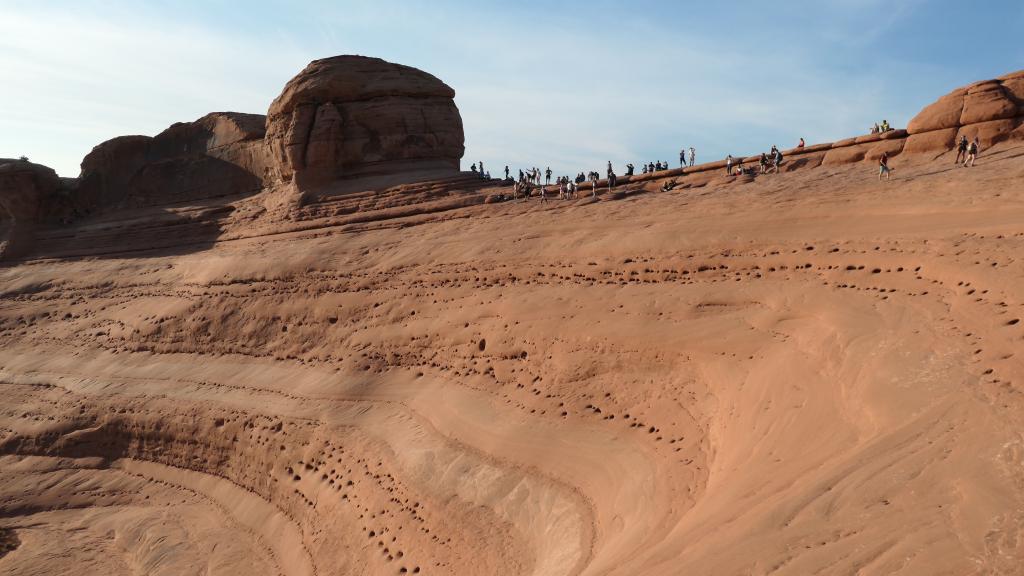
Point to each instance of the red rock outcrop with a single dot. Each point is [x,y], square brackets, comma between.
[23,186]
[221,154]
[991,110]
[352,115]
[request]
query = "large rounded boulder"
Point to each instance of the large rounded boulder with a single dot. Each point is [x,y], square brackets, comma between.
[991,110]
[350,116]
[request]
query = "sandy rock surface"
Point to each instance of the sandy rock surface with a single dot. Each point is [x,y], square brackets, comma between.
[809,372]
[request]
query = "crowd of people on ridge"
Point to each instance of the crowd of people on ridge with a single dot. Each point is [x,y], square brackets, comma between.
[767,163]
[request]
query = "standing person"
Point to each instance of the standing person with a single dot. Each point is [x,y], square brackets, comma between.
[972,153]
[547,175]
[593,181]
[763,163]
[481,168]
[682,157]
[883,166]
[961,150]
[506,171]
[728,164]
[693,155]
[609,168]
[611,180]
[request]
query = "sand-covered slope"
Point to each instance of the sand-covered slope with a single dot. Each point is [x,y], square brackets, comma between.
[804,373]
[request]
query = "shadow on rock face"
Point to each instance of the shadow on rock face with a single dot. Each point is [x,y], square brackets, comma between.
[9,541]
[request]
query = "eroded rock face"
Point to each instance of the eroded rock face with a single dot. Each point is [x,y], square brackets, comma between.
[221,154]
[351,115]
[991,110]
[23,188]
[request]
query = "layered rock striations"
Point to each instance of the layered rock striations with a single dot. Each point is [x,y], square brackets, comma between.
[351,116]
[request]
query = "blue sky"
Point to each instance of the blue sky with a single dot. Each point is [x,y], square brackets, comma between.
[566,84]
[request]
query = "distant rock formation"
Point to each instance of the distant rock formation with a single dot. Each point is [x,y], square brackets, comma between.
[24,188]
[351,116]
[365,124]
[991,110]
[221,154]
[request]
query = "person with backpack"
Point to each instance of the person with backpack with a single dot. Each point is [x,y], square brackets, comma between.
[961,150]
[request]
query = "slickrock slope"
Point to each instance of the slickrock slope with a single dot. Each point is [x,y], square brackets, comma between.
[810,372]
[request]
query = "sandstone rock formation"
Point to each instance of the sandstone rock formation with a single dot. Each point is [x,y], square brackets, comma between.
[991,110]
[351,115]
[23,186]
[221,154]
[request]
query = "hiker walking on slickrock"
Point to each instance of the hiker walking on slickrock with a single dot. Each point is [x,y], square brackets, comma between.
[682,157]
[883,166]
[972,153]
[961,150]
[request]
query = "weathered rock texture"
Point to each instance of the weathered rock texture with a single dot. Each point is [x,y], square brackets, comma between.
[23,187]
[221,154]
[991,110]
[351,115]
